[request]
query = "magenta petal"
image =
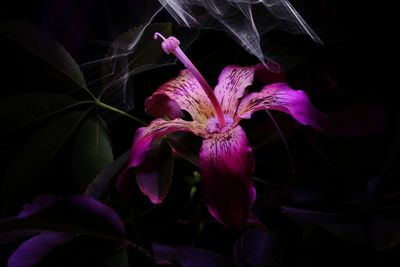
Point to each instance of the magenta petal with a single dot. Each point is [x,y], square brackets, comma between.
[157,129]
[280,96]
[159,105]
[226,166]
[124,184]
[232,84]
[145,158]
[183,92]
[154,174]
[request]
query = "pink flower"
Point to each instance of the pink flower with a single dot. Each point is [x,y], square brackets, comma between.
[226,159]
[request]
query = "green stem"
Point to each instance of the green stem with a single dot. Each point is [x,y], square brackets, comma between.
[123,113]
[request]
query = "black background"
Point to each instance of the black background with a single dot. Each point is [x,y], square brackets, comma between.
[358,56]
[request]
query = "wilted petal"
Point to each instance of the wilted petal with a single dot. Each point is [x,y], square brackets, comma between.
[147,159]
[154,174]
[183,92]
[280,96]
[157,129]
[232,84]
[226,166]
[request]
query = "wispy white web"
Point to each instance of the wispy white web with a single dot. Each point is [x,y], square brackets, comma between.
[246,20]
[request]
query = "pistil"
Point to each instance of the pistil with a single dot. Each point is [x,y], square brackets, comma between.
[170,45]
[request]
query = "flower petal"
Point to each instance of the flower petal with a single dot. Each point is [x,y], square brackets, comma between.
[226,166]
[144,157]
[280,96]
[232,84]
[154,174]
[159,128]
[183,92]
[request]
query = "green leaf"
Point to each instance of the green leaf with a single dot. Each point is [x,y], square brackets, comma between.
[131,53]
[103,179]
[384,233]
[91,153]
[33,157]
[142,52]
[21,110]
[35,40]
[118,259]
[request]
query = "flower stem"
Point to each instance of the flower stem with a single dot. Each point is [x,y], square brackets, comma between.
[171,45]
[104,105]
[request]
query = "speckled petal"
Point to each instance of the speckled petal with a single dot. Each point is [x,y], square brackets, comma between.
[232,84]
[157,129]
[280,96]
[183,92]
[226,166]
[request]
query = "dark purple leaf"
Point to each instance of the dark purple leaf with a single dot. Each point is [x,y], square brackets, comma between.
[38,204]
[32,251]
[352,233]
[336,224]
[16,235]
[313,217]
[258,248]
[75,215]
[384,233]
[97,209]
[372,186]
[303,195]
[188,256]
[154,175]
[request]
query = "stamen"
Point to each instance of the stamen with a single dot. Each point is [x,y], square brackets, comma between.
[171,45]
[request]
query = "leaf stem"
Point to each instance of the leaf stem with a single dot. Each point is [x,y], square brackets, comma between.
[121,112]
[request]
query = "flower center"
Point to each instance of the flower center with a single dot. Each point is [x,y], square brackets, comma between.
[213,126]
